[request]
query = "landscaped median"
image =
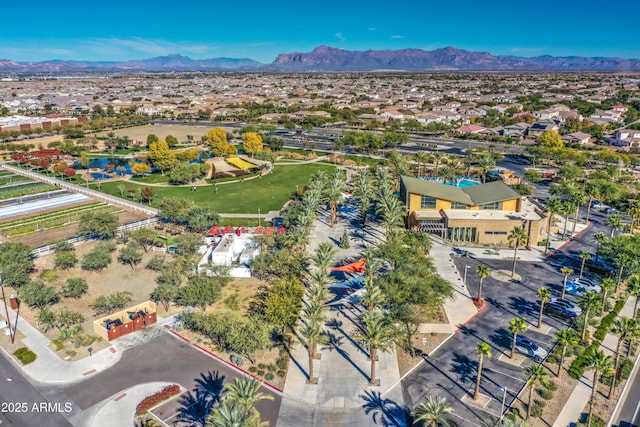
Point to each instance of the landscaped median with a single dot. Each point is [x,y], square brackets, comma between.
[155,399]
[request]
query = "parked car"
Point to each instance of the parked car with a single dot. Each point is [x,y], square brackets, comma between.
[596,204]
[559,312]
[530,348]
[589,285]
[575,289]
[611,210]
[567,305]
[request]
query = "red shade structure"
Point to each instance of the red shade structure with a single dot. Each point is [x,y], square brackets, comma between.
[354,267]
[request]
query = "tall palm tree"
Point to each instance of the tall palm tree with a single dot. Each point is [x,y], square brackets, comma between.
[517,238]
[608,285]
[449,172]
[545,295]
[392,211]
[634,213]
[322,255]
[623,328]
[432,412]
[584,256]
[633,287]
[592,192]
[600,363]
[536,374]
[377,334]
[437,157]
[318,278]
[311,334]
[333,194]
[421,158]
[484,350]
[486,161]
[615,222]
[567,271]
[622,259]
[599,238]
[566,210]
[516,326]
[364,192]
[483,272]
[553,206]
[232,413]
[578,199]
[588,302]
[245,390]
[566,338]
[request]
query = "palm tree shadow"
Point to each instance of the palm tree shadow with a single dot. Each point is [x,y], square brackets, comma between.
[385,412]
[196,405]
[464,367]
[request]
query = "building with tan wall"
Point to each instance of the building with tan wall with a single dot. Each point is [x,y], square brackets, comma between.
[482,213]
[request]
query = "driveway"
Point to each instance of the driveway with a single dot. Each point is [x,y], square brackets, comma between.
[165,358]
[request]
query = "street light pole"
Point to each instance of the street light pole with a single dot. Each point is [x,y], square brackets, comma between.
[6,309]
[466,267]
[504,398]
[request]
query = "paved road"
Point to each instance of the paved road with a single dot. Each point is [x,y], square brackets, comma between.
[164,358]
[630,412]
[18,397]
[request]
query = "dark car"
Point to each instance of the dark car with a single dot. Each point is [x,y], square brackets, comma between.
[559,312]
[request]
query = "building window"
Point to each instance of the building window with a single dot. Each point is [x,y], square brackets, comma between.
[427,202]
[458,205]
[495,233]
[492,206]
[462,234]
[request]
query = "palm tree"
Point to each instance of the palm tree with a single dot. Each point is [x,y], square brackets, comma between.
[377,334]
[516,326]
[483,349]
[432,412]
[584,256]
[634,212]
[392,211]
[633,287]
[553,206]
[437,157]
[334,191]
[323,255]
[536,374]
[566,210]
[623,328]
[622,259]
[608,285]
[421,158]
[578,199]
[545,295]
[486,161]
[567,272]
[615,222]
[311,333]
[318,278]
[234,414]
[517,238]
[449,172]
[483,271]
[587,302]
[566,338]
[599,238]
[600,363]
[245,390]
[364,192]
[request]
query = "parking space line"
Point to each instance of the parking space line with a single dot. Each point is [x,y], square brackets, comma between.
[491,370]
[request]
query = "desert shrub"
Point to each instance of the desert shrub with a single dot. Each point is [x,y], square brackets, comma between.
[156,263]
[268,376]
[96,260]
[57,345]
[105,304]
[537,408]
[546,394]
[252,369]
[151,401]
[551,385]
[65,260]
[37,294]
[24,355]
[74,287]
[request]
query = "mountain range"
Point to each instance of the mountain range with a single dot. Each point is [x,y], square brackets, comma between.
[326,58]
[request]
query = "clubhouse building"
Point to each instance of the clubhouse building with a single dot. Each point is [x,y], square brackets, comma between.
[471,212]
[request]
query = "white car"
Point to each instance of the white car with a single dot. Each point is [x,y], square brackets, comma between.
[588,285]
[567,305]
[530,348]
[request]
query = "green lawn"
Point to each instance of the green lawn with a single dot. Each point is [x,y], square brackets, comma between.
[154,178]
[268,193]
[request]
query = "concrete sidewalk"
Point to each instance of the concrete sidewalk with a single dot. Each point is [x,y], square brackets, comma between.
[579,398]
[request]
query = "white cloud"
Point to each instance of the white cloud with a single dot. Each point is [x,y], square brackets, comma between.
[339,36]
[372,28]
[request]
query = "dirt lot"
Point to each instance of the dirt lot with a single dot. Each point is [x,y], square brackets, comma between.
[179,131]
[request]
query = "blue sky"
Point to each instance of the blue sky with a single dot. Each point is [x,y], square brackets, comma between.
[139,29]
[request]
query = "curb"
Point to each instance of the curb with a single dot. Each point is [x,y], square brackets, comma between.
[625,389]
[566,242]
[231,365]
[479,312]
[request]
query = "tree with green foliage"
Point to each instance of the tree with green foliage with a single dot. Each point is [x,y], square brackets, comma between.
[174,208]
[517,237]
[623,327]
[566,338]
[145,237]
[65,260]
[334,193]
[432,412]
[516,326]
[171,140]
[584,256]
[282,303]
[131,255]
[14,275]
[601,364]
[535,374]
[311,333]
[615,222]
[151,138]
[588,302]
[608,285]
[200,291]
[100,223]
[96,260]
[364,192]
[550,139]
[545,295]
[599,238]
[484,350]
[74,287]
[37,294]
[201,218]
[377,334]
[165,295]
[188,243]
[566,272]
[106,304]
[483,272]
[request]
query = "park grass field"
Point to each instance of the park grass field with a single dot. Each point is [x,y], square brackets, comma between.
[268,193]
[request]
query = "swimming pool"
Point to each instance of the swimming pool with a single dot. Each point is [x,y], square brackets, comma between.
[460,182]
